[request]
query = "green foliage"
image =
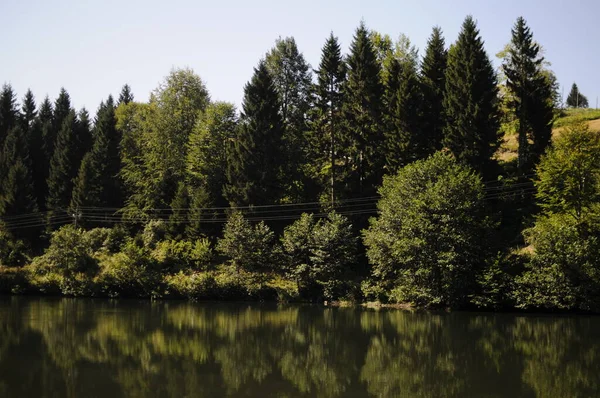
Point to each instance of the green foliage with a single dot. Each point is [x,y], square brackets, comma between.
[69,253]
[569,174]
[471,102]
[254,173]
[62,170]
[126,96]
[405,141]
[427,244]
[320,253]
[530,94]
[247,247]
[131,272]
[155,138]
[327,135]
[575,99]
[98,183]
[362,111]
[563,271]
[174,256]
[433,84]
[207,152]
[154,231]
[12,251]
[571,116]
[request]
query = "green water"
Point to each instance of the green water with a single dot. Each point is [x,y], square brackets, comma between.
[102,348]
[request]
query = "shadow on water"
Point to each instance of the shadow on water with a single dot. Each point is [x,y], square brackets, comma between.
[101,348]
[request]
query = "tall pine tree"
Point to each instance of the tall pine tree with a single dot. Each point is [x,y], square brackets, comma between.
[362,111]
[471,102]
[98,181]
[126,95]
[433,86]
[404,141]
[255,156]
[575,99]
[530,93]
[18,197]
[62,172]
[41,144]
[327,129]
[9,113]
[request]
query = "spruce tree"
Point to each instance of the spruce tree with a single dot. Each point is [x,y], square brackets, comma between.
[18,196]
[575,99]
[179,218]
[531,95]
[62,172]
[28,111]
[62,108]
[471,102]
[433,82]
[41,144]
[98,183]
[9,112]
[327,140]
[83,137]
[126,95]
[404,141]
[254,159]
[362,111]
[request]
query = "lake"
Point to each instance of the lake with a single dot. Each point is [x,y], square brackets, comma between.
[119,348]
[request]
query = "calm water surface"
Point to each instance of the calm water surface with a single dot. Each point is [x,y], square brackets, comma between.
[102,348]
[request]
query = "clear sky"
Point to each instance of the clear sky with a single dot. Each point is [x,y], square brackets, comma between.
[93,47]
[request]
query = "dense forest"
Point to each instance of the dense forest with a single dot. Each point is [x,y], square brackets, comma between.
[379,175]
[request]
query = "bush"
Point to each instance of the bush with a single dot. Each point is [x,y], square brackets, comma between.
[174,256]
[130,273]
[248,248]
[69,253]
[154,232]
[563,271]
[12,251]
[429,241]
[195,286]
[320,253]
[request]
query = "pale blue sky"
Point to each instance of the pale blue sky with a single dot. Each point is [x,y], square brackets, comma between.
[93,47]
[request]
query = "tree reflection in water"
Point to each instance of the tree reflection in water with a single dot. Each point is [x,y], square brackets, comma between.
[99,348]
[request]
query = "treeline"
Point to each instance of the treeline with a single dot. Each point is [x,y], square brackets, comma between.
[208,202]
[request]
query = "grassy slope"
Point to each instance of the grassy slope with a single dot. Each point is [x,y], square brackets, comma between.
[508,149]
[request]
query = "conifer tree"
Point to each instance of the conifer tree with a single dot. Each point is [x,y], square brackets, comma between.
[433,82]
[97,183]
[62,108]
[9,112]
[327,126]
[28,111]
[41,143]
[18,197]
[530,95]
[471,102]
[575,99]
[179,218]
[254,159]
[404,141]
[126,95]
[62,172]
[362,111]
[83,137]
